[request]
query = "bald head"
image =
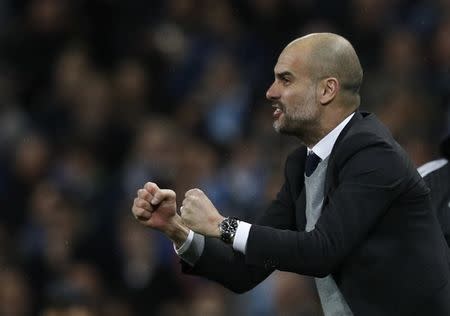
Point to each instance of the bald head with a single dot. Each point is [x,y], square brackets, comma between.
[316,86]
[330,55]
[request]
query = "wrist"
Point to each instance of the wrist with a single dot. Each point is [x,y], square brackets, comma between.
[177,232]
[216,225]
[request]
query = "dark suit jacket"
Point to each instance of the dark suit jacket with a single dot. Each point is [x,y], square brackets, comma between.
[439,183]
[377,235]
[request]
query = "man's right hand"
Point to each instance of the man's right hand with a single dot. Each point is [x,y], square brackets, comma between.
[156,208]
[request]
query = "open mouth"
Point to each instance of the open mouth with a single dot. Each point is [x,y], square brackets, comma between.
[278,111]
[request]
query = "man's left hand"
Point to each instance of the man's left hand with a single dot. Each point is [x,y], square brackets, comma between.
[199,214]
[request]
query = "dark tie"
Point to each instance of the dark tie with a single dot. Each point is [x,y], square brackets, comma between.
[312,160]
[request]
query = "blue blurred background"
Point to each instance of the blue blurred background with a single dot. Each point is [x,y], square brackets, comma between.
[98,97]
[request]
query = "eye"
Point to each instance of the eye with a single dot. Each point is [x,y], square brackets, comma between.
[285,80]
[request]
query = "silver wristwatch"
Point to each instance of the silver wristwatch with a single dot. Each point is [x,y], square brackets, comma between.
[227,229]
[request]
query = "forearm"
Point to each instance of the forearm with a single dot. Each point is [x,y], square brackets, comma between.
[177,232]
[220,263]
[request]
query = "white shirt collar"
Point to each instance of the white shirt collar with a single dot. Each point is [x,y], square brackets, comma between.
[325,145]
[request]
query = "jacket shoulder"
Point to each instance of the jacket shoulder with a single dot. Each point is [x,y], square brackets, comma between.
[368,142]
[365,131]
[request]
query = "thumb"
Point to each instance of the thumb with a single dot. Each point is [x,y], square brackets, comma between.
[161,195]
[151,187]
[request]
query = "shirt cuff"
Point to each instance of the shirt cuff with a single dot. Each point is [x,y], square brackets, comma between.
[191,250]
[241,236]
[185,245]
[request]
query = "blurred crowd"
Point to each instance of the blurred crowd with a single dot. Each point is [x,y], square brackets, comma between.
[98,97]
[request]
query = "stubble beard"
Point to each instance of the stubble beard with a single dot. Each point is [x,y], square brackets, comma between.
[300,123]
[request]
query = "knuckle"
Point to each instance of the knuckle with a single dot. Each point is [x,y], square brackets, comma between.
[142,203]
[141,193]
[142,213]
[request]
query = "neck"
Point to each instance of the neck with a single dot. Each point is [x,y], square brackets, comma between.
[329,121]
[313,137]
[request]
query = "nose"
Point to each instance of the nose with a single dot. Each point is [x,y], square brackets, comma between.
[272,93]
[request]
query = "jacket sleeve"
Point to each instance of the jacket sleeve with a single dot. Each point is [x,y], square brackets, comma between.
[220,263]
[369,178]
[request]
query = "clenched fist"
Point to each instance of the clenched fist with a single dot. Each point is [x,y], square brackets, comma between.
[199,214]
[156,208]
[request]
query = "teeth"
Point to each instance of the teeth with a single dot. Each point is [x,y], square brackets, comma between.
[276,107]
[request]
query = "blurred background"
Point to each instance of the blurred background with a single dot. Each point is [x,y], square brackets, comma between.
[98,97]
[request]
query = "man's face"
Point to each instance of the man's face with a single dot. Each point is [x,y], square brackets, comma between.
[293,96]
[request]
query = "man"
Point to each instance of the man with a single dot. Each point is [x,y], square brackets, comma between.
[353,211]
[436,174]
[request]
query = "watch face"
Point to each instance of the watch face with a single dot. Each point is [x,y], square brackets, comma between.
[228,228]
[229,224]
[225,225]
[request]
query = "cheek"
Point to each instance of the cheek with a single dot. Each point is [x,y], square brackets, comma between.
[308,101]
[290,100]
[295,103]
[302,106]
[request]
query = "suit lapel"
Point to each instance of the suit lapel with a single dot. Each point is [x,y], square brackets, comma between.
[300,202]
[330,178]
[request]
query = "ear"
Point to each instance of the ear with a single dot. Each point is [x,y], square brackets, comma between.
[329,88]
